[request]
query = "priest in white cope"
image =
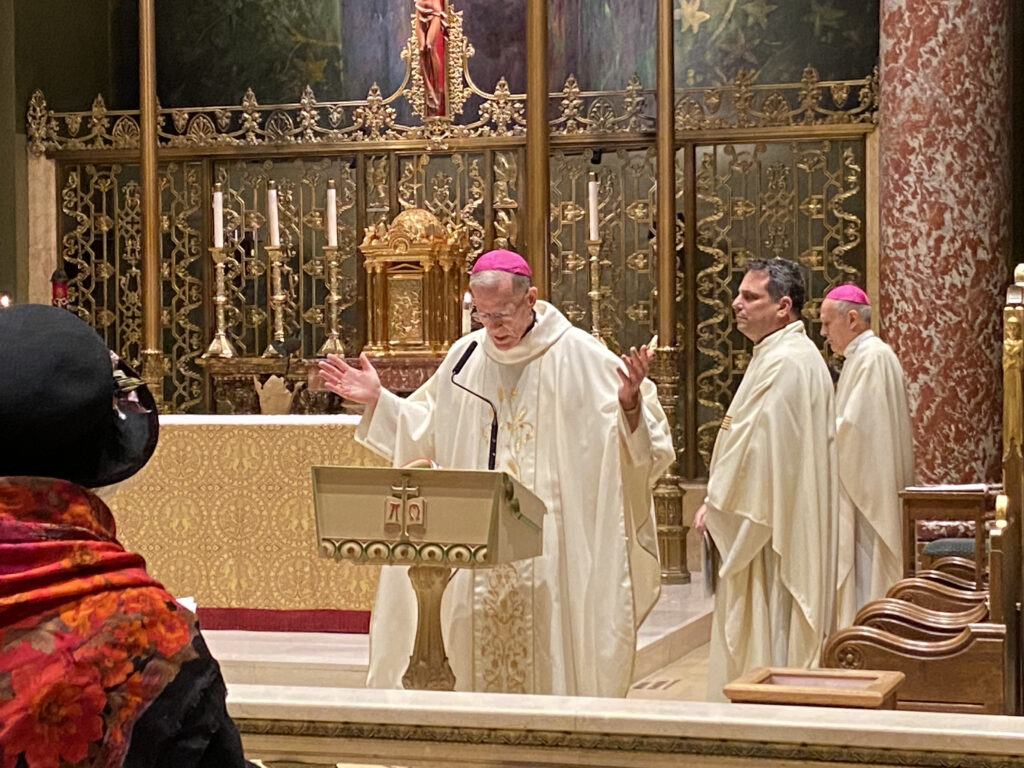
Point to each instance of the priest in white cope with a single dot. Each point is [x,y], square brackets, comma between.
[771,502]
[876,455]
[582,429]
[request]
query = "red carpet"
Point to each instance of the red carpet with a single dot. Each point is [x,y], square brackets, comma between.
[266,620]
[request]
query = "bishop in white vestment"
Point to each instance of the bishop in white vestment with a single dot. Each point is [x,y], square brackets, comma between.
[564,622]
[771,502]
[875,452]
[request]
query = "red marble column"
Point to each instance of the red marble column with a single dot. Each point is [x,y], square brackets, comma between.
[943,196]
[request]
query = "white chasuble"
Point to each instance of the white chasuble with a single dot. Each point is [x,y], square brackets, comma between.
[772,498]
[876,462]
[564,622]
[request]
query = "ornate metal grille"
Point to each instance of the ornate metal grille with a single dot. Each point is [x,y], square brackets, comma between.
[625,275]
[800,200]
[451,187]
[779,172]
[99,247]
[302,196]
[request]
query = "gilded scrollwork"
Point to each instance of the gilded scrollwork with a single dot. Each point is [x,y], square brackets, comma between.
[798,200]
[451,187]
[623,278]
[182,253]
[405,321]
[742,103]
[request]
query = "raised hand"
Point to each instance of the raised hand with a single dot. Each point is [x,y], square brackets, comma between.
[634,371]
[630,378]
[361,385]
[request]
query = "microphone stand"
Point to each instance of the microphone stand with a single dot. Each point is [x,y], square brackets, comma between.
[493,449]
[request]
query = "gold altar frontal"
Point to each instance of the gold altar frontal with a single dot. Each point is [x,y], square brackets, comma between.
[223,512]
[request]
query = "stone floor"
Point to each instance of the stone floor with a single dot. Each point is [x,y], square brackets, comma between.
[684,679]
[671,657]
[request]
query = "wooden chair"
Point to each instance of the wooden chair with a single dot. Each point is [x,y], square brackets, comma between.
[946,637]
[936,595]
[951,579]
[951,512]
[960,673]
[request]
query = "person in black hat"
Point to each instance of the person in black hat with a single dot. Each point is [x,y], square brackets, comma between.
[99,665]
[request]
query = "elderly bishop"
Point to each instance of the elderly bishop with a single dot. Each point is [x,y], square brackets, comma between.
[583,430]
[876,458]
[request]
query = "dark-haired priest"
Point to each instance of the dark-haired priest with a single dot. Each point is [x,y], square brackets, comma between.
[771,503]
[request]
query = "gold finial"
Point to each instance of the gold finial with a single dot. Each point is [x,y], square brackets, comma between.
[1018,274]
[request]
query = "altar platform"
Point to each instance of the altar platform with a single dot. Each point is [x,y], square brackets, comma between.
[298,700]
[223,514]
[678,624]
[289,726]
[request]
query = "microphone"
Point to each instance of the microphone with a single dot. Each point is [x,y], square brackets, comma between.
[494,411]
[462,360]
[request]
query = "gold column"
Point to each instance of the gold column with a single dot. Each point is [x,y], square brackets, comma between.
[666,153]
[538,192]
[690,458]
[1013,490]
[152,335]
[428,668]
[668,493]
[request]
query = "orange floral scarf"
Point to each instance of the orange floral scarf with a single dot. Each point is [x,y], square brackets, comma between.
[87,638]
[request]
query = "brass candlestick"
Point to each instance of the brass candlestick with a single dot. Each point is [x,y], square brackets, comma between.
[221,345]
[332,345]
[277,298]
[595,294]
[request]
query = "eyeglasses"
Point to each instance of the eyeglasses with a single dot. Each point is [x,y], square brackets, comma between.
[496,318]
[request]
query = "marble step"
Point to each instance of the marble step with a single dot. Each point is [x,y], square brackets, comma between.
[679,623]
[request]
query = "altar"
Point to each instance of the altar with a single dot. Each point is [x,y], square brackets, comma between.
[223,513]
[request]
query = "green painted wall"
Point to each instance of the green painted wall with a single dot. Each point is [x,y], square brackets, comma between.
[63,47]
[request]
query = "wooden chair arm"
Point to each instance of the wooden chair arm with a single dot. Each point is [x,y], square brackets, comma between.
[961,568]
[913,622]
[949,579]
[935,595]
[833,655]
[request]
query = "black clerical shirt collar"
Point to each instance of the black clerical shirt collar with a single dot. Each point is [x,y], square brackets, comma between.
[529,328]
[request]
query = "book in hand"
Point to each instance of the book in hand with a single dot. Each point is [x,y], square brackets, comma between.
[712,562]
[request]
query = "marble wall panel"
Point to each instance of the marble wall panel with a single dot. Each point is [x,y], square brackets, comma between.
[944,153]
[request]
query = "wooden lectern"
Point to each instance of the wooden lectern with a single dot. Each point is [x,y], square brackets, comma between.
[431,520]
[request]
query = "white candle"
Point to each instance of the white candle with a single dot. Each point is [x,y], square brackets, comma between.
[467,320]
[332,214]
[275,231]
[218,216]
[593,232]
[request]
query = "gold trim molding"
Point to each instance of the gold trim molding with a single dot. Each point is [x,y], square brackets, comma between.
[615,747]
[404,552]
[740,104]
